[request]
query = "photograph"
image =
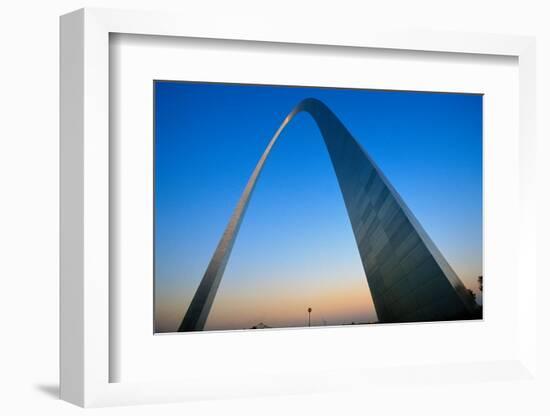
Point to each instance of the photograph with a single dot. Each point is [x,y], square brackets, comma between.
[294,206]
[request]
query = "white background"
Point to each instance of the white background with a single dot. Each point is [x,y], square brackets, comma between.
[29,208]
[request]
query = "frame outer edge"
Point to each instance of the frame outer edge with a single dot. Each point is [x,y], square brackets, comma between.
[95,208]
[71,202]
[528,206]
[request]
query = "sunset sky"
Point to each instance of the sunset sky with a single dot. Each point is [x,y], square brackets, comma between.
[296,248]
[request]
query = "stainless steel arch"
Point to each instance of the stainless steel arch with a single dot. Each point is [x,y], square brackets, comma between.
[408,277]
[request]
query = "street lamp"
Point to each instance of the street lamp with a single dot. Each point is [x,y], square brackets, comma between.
[309,319]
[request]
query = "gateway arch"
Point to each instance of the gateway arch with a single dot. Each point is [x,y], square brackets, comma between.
[408,277]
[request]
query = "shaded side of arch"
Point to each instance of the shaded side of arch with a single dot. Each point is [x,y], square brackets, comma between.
[408,277]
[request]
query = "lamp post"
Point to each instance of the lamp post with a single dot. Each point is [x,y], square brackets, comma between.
[309,318]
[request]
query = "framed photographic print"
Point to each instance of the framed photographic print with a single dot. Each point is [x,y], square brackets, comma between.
[323,204]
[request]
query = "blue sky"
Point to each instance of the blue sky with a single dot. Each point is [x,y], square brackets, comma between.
[296,246]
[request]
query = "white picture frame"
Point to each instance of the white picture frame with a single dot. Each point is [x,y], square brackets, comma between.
[85,204]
